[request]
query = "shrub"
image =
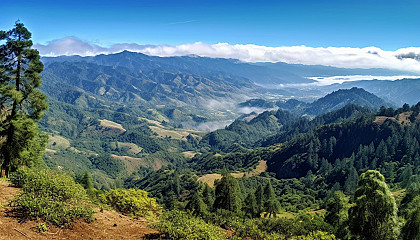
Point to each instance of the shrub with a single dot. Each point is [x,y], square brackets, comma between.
[42,227]
[249,229]
[131,201]
[317,235]
[19,177]
[176,224]
[53,197]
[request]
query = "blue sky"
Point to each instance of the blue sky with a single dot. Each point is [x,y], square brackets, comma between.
[340,33]
[385,24]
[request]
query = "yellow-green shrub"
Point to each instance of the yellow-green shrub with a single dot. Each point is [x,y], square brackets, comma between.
[179,225]
[131,201]
[51,196]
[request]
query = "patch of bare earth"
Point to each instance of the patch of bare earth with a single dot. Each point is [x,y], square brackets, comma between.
[189,154]
[108,225]
[131,163]
[402,118]
[381,119]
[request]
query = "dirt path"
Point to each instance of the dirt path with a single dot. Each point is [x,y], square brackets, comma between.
[108,225]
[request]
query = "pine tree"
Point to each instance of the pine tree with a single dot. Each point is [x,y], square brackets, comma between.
[271,205]
[406,175]
[227,194]
[20,100]
[350,184]
[169,200]
[87,181]
[208,196]
[259,197]
[196,205]
[250,207]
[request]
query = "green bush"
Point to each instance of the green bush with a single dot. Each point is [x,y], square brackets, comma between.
[249,229]
[53,197]
[317,235]
[131,201]
[42,227]
[179,225]
[19,177]
[301,225]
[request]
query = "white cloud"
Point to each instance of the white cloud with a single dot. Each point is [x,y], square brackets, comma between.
[370,57]
[70,46]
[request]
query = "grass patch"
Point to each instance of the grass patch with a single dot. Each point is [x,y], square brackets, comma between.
[57,142]
[210,178]
[110,124]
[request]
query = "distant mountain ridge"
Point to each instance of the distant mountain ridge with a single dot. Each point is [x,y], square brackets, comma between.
[202,66]
[116,83]
[328,103]
[398,91]
[259,73]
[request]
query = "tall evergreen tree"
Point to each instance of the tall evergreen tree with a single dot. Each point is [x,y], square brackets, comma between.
[169,200]
[20,100]
[196,205]
[87,180]
[250,207]
[350,184]
[374,216]
[259,197]
[271,204]
[208,196]
[227,194]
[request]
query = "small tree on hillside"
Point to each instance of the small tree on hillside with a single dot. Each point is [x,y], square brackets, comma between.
[374,216]
[20,100]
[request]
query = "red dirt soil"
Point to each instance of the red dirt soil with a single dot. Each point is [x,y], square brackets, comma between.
[108,225]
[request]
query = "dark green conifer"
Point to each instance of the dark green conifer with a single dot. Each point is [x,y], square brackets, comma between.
[87,181]
[271,204]
[196,205]
[227,194]
[259,197]
[250,207]
[20,100]
[208,196]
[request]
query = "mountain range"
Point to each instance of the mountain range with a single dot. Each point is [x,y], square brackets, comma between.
[118,114]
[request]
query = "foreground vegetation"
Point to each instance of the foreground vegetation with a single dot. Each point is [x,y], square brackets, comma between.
[53,197]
